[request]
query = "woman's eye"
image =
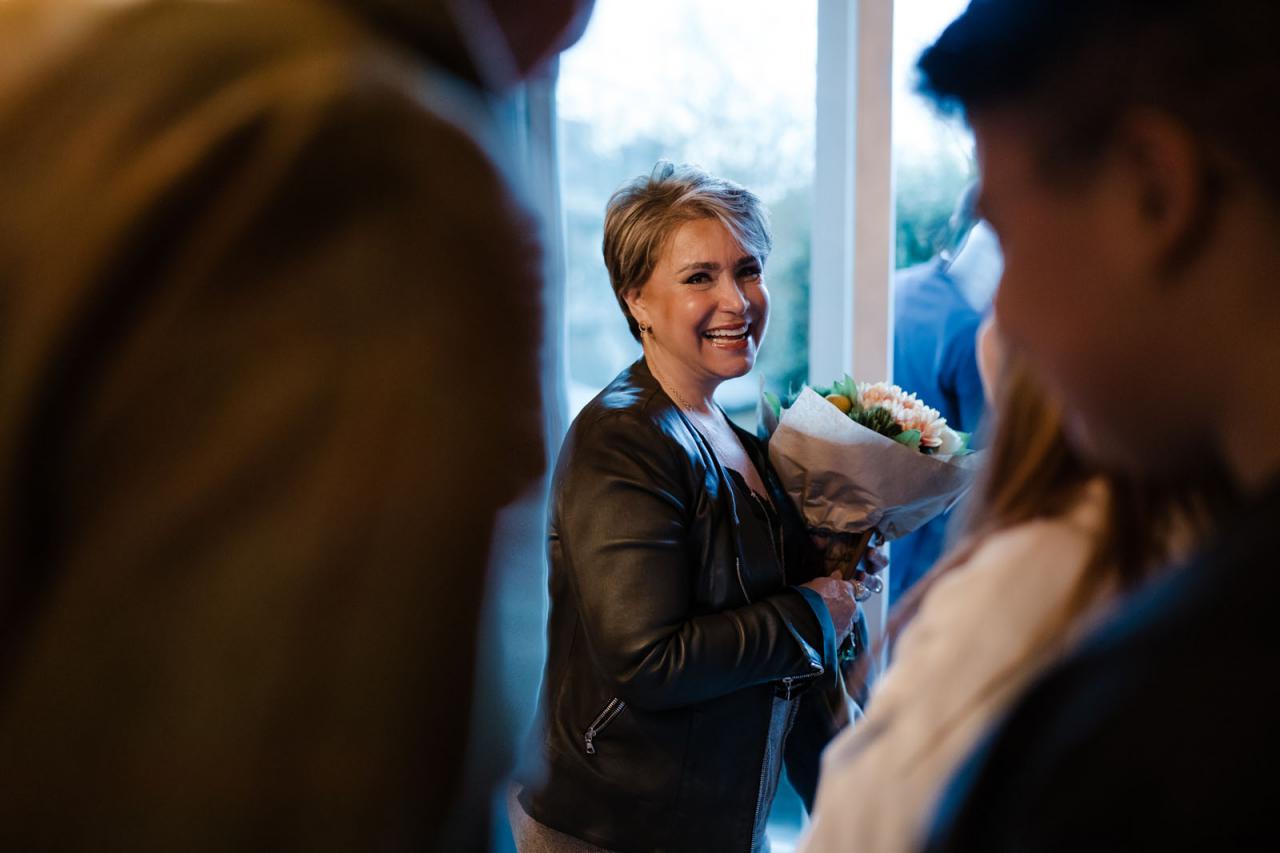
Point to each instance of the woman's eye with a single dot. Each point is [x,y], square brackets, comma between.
[698,278]
[750,273]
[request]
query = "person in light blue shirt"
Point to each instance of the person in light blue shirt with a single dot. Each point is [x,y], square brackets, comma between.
[938,306]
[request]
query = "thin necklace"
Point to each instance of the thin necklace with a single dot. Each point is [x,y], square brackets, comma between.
[671,389]
[710,430]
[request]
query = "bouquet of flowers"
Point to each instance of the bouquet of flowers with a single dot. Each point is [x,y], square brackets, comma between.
[865,459]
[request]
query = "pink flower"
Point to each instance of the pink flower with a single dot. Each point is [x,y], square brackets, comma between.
[907,409]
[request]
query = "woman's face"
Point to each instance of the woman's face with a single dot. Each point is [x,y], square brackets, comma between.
[706,303]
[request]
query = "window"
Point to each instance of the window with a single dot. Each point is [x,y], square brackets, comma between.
[933,155]
[726,84]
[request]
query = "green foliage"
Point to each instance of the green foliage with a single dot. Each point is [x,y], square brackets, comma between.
[879,419]
[846,387]
[926,196]
[911,438]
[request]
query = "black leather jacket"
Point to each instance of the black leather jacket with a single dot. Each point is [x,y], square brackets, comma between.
[667,643]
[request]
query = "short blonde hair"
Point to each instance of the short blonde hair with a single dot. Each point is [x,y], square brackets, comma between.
[643,214]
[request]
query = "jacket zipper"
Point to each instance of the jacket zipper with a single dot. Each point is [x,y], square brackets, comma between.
[764,765]
[612,710]
[790,681]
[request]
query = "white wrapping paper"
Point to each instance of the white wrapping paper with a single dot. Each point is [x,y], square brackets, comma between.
[846,479]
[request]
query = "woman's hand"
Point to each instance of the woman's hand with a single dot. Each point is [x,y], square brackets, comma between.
[875,559]
[838,554]
[837,594]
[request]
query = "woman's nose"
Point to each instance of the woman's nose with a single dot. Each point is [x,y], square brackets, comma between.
[733,297]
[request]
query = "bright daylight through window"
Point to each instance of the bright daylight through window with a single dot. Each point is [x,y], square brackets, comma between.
[725,84]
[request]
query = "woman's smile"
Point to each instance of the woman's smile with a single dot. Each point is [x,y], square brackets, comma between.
[732,337]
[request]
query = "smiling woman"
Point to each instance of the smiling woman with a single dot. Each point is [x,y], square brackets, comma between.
[692,638]
[703,308]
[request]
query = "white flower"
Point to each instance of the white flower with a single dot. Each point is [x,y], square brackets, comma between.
[951,442]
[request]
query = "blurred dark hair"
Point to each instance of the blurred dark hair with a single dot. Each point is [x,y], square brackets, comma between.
[1076,67]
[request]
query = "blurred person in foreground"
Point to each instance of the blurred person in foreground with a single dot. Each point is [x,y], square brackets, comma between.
[260,261]
[937,307]
[1129,167]
[1050,544]
[693,634]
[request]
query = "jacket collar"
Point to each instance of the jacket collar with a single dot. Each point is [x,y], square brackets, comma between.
[642,378]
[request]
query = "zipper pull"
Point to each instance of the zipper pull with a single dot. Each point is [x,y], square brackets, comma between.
[591,737]
[786,682]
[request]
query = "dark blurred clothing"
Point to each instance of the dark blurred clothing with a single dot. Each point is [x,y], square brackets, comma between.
[934,356]
[1158,734]
[268,369]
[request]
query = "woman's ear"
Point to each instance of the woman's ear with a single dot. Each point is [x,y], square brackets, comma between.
[636,305]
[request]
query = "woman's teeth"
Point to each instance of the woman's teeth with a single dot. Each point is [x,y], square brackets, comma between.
[727,335]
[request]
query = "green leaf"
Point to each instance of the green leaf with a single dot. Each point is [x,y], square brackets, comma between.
[910,437]
[774,403]
[846,387]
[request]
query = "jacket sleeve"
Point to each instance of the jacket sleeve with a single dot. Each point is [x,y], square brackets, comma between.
[624,537]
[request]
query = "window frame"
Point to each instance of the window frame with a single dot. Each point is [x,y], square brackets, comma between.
[851,273]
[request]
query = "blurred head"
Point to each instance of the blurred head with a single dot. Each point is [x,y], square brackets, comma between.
[1128,167]
[535,32]
[496,43]
[685,253]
